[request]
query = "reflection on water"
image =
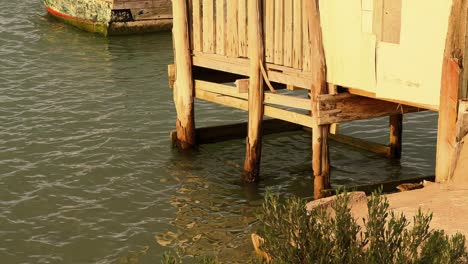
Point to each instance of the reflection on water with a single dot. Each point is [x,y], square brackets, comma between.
[87,173]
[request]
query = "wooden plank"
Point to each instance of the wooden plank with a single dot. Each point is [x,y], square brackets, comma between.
[377,24]
[232,43]
[208,27]
[333,89]
[306,39]
[219,89]
[279,31]
[297,34]
[286,100]
[183,87]
[269,30]
[451,88]
[242,27]
[240,66]
[288,33]
[242,85]
[222,99]
[458,166]
[290,116]
[197,33]
[220,27]
[251,172]
[391,21]
[347,107]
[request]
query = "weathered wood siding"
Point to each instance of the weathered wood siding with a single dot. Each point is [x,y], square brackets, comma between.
[146,10]
[219,27]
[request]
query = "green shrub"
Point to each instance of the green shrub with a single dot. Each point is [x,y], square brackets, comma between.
[293,235]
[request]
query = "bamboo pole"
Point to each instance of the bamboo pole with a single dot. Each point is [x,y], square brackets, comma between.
[452,88]
[320,154]
[255,104]
[396,131]
[183,86]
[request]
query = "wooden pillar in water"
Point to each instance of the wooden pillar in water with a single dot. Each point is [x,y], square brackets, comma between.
[320,154]
[183,86]
[396,132]
[453,87]
[256,54]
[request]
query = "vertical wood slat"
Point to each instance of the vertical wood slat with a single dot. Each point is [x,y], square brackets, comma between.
[220,27]
[197,25]
[242,27]
[288,33]
[297,35]
[306,46]
[208,26]
[231,29]
[279,30]
[269,30]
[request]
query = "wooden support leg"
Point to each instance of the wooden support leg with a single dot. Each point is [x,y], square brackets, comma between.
[396,129]
[452,88]
[183,86]
[256,53]
[320,155]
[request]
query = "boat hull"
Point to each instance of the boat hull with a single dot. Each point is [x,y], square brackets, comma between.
[112,17]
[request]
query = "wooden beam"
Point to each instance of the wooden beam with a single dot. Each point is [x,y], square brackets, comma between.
[183,86]
[214,134]
[222,99]
[320,155]
[287,100]
[451,88]
[396,134]
[220,89]
[239,103]
[347,107]
[290,116]
[242,85]
[256,50]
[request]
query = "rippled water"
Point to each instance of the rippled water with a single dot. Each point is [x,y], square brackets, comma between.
[87,173]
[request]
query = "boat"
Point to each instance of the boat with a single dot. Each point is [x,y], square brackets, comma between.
[113,17]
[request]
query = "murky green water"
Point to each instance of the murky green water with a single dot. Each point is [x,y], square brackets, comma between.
[87,174]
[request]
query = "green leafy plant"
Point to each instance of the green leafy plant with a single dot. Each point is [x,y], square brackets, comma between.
[291,234]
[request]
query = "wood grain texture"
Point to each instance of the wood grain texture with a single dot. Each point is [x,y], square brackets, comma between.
[251,172]
[451,88]
[183,86]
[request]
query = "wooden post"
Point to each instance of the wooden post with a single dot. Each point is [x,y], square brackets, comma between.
[396,131]
[452,88]
[256,55]
[183,86]
[334,128]
[320,155]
